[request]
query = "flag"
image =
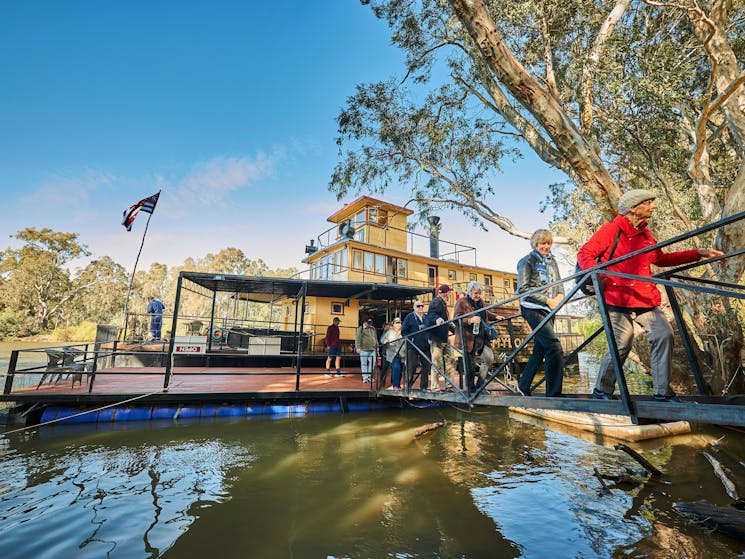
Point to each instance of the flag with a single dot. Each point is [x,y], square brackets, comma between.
[145,205]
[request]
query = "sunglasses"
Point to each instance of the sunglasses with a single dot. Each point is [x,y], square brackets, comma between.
[419,306]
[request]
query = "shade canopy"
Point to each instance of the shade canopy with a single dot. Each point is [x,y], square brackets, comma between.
[266,289]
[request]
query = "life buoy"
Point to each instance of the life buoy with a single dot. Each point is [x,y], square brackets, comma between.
[217,334]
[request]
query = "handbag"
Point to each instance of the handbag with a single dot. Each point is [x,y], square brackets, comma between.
[586,286]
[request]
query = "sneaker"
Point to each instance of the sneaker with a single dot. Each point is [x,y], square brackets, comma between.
[339,374]
[664,398]
[397,388]
[328,375]
[600,395]
[366,379]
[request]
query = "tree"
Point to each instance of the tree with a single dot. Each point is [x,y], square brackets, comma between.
[36,282]
[106,301]
[644,94]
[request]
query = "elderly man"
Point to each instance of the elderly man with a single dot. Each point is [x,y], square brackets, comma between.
[630,300]
[417,348]
[366,344]
[439,348]
[476,343]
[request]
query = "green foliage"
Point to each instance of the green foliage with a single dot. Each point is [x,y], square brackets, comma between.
[13,324]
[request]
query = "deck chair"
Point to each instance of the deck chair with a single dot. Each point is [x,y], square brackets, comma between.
[61,363]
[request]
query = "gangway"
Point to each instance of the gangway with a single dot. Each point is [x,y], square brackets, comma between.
[699,408]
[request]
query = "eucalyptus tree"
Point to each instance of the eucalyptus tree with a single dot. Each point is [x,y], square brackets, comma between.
[626,92]
[104,303]
[36,282]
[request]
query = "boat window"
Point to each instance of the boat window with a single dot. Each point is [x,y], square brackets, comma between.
[402,268]
[380,264]
[368,267]
[357,259]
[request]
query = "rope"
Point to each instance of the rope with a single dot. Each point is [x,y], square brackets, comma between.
[28,427]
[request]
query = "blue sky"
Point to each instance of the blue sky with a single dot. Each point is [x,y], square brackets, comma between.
[226,106]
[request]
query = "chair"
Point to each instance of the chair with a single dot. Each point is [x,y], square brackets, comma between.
[61,362]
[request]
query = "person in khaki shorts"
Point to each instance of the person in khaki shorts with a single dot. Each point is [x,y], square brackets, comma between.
[439,348]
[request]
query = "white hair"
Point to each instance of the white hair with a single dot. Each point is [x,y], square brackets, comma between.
[473,285]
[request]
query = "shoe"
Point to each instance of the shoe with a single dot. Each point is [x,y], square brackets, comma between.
[663,398]
[339,375]
[397,388]
[328,375]
[523,392]
[600,395]
[368,379]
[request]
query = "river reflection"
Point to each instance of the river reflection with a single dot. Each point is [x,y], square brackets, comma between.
[487,484]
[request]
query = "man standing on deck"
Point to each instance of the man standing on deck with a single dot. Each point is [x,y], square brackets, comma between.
[366,344]
[417,346]
[333,344]
[155,311]
[441,350]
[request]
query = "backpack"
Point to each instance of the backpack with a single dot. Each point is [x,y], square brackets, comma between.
[586,286]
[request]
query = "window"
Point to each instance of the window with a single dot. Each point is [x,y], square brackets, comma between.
[368,266]
[452,275]
[378,216]
[380,264]
[402,269]
[431,275]
[337,308]
[487,285]
[472,277]
[340,261]
[360,218]
[357,259]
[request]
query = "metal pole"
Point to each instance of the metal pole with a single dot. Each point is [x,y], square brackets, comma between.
[613,350]
[687,344]
[172,339]
[303,292]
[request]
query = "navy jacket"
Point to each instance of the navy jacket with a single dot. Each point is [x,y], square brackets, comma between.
[411,325]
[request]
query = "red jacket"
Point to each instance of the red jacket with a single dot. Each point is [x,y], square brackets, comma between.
[625,292]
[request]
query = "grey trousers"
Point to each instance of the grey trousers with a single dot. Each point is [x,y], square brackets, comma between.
[660,336]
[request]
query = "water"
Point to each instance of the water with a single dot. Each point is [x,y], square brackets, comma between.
[487,484]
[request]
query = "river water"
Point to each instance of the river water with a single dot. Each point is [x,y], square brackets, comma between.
[487,484]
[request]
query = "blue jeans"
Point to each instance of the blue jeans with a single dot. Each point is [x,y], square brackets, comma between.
[156,324]
[367,362]
[660,336]
[396,372]
[546,346]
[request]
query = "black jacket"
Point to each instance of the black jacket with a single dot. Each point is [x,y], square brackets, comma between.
[437,309]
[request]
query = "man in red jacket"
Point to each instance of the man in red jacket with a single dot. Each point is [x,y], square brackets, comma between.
[631,300]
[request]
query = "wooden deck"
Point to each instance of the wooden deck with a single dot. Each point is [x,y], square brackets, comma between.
[195,384]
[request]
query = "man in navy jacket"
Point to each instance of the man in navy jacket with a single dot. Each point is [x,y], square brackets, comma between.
[417,344]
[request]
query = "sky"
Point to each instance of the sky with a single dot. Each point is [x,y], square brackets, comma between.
[227,107]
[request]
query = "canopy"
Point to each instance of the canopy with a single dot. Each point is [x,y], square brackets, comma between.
[266,289]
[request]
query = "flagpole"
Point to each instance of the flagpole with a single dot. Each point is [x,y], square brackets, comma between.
[132,276]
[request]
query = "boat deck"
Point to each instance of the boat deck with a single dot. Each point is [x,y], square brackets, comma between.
[194,384]
[209,385]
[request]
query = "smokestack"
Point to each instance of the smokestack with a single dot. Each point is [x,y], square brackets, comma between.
[434,236]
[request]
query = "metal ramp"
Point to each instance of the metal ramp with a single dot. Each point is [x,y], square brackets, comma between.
[696,408]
